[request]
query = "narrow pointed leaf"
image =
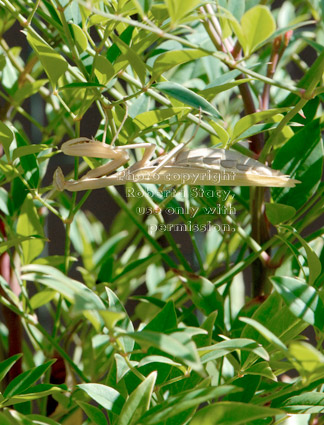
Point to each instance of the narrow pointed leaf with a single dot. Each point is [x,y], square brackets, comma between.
[150,118]
[173,58]
[54,64]
[314,263]
[106,396]
[7,364]
[301,158]
[249,120]
[278,213]
[266,333]
[179,9]
[179,403]
[309,402]
[6,137]
[26,379]
[257,24]
[138,402]
[187,353]
[232,413]
[104,70]
[93,413]
[302,300]
[188,97]
[29,224]
[226,347]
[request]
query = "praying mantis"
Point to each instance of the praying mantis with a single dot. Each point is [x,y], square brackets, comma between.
[202,166]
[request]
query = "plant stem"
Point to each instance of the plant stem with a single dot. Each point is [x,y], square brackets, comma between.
[242,265]
[122,204]
[30,17]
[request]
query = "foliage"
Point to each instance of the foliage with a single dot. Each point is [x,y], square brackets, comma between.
[216,334]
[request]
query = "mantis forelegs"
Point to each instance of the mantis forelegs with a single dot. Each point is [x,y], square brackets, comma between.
[92,148]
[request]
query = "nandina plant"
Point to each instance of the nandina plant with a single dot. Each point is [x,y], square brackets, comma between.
[148,303]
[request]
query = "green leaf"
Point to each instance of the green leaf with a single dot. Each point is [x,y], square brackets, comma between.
[213,89]
[133,268]
[10,295]
[261,369]
[106,396]
[249,120]
[208,325]
[6,137]
[314,263]
[116,305]
[123,367]
[4,246]
[54,260]
[151,118]
[85,301]
[293,249]
[265,332]
[6,421]
[188,97]
[223,348]
[309,402]
[28,225]
[28,150]
[272,314]
[106,250]
[79,37]
[306,355]
[37,392]
[2,61]
[54,64]
[278,213]
[308,361]
[26,379]
[179,9]
[7,170]
[134,59]
[232,413]
[302,158]
[309,81]
[111,318]
[179,403]
[114,51]
[205,296]
[4,201]
[165,320]
[29,164]
[160,359]
[186,353]
[168,60]
[138,402]
[143,6]
[302,300]
[256,129]
[41,420]
[257,24]
[222,134]
[81,85]
[93,413]
[7,364]
[27,90]
[104,70]
[42,298]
